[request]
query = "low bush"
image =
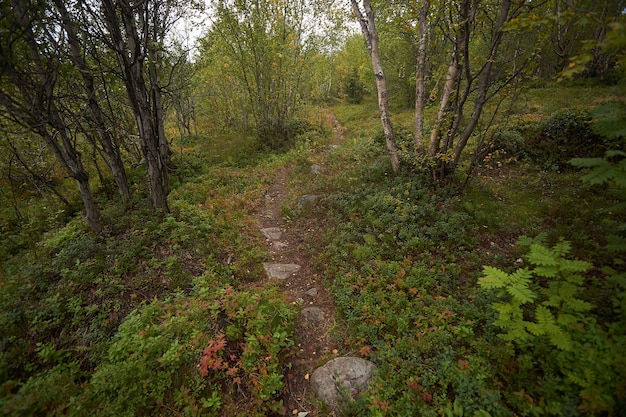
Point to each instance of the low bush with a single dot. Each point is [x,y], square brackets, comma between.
[564,135]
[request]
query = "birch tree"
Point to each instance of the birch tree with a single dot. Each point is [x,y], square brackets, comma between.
[365,15]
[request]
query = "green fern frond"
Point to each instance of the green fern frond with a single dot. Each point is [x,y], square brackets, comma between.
[616,243]
[567,291]
[587,162]
[547,271]
[565,319]
[579,305]
[541,256]
[544,317]
[574,265]
[535,329]
[520,277]
[521,293]
[493,278]
[560,339]
[562,248]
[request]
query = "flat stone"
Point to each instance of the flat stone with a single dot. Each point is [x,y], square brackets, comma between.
[337,382]
[312,292]
[280,271]
[307,201]
[279,245]
[312,314]
[272,233]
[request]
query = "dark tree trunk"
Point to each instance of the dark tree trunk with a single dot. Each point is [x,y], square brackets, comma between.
[131,52]
[114,159]
[36,108]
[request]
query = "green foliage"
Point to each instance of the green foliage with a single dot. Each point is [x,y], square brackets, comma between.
[354,88]
[564,135]
[171,355]
[544,314]
[557,309]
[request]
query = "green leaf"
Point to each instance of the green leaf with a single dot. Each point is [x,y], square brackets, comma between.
[587,162]
[521,293]
[565,319]
[521,277]
[541,256]
[579,305]
[574,265]
[550,271]
[544,316]
[560,339]
[493,278]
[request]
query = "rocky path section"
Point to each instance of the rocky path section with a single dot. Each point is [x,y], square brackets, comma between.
[291,264]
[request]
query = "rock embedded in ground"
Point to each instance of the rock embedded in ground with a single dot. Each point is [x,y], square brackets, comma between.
[312,292]
[272,233]
[280,271]
[338,381]
[313,314]
[307,201]
[316,169]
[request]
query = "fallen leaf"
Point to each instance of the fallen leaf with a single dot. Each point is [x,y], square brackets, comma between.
[306,376]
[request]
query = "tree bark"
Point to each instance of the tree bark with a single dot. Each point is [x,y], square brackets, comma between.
[448,88]
[131,56]
[483,84]
[368,26]
[420,78]
[114,159]
[38,109]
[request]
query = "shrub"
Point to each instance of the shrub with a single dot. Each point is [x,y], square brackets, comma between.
[195,356]
[564,135]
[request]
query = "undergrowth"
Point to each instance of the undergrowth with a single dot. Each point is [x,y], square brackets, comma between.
[405,261]
[160,315]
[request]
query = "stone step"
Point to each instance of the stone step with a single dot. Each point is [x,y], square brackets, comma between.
[280,271]
[272,233]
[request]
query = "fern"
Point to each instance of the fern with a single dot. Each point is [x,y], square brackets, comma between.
[531,310]
[603,170]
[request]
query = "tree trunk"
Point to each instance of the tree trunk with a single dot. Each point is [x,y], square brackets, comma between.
[420,78]
[39,108]
[368,27]
[483,84]
[91,211]
[114,159]
[131,56]
[448,88]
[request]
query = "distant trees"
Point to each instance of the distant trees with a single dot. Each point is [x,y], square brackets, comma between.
[262,51]
[61,66]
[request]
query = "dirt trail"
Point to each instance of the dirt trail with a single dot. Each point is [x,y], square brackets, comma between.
[288,245]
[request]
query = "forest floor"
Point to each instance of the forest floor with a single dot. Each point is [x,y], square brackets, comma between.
[295,242]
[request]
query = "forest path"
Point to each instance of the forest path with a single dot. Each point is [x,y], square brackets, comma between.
[292,264]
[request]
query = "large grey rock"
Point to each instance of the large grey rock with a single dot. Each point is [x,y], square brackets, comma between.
[280,271]
[313,314]
[272,233]
[337,382]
